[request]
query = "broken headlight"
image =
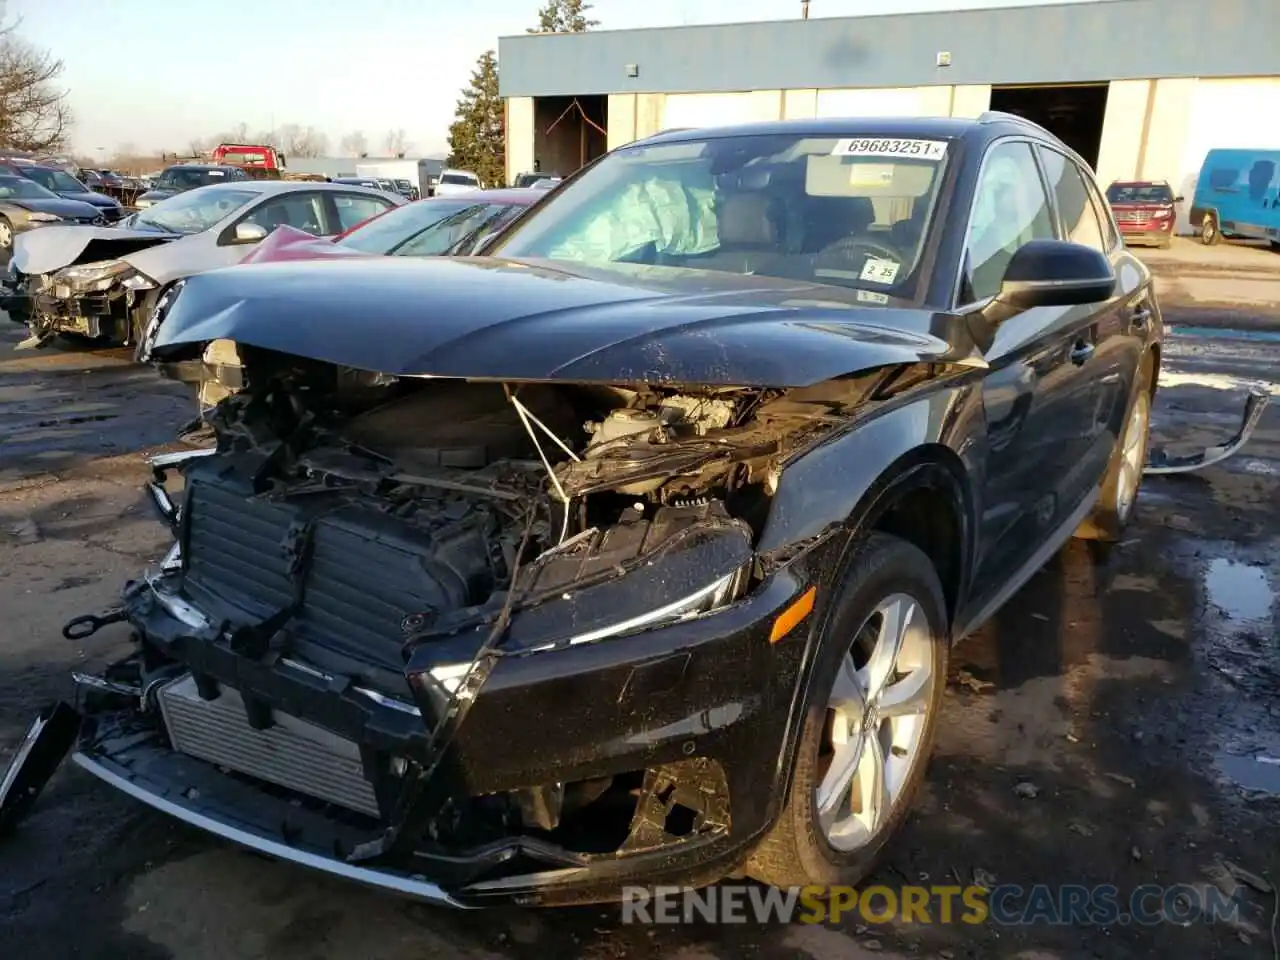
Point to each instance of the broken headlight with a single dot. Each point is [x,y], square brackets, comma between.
[709,599]
[90,277]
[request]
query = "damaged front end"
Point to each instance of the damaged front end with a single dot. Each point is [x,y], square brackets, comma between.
[471,642]
[83,285]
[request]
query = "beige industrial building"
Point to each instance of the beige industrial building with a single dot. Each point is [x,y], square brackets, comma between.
[1140,88]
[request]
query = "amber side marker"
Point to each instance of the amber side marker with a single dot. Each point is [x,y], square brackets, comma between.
[790,618]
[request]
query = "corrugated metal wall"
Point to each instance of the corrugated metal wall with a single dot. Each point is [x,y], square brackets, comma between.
[1109,40]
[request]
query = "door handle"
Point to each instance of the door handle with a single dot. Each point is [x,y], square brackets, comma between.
[1082,352]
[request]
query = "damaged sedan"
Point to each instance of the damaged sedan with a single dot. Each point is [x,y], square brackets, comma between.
[104,282]
[632,551]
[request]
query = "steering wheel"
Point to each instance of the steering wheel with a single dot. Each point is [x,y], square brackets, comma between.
[870,249]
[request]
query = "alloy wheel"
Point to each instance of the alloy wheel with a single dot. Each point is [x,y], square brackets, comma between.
[1133,453]
[876,717]
[6,236]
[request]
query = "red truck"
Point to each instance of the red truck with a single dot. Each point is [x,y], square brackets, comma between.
[259,161]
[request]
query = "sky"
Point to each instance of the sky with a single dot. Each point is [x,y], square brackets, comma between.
[158,73]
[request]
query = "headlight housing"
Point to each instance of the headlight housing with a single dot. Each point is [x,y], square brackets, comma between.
[143,204]
[706,600]
[92,277]
[38,217]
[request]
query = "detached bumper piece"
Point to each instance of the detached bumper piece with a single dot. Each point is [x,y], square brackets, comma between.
[1161,462]
[46,743]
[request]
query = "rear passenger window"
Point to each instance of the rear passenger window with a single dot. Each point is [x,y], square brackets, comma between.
[1080,222]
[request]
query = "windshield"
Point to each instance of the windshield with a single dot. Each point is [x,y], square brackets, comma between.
[1139,193]
[56,180]
[849,212]
[20,188]
[195,210]
[181,179]
[426,227]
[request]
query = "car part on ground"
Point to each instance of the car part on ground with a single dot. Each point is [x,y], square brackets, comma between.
[1162,462]
[104,283]
[700,482]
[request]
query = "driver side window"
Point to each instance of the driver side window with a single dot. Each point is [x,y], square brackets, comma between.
[1010,209]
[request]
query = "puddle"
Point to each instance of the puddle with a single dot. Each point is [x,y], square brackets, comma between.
[1240,591]
[1260,773]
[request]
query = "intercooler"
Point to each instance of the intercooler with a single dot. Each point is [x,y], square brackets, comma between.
[291,753]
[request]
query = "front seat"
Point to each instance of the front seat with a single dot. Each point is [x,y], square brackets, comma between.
[747,232]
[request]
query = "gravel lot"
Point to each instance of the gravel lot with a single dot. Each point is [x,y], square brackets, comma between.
[1134,691]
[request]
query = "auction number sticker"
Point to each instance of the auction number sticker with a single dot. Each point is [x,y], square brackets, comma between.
[933,150]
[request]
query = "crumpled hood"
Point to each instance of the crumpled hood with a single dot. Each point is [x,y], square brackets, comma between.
[55,247]
[484,318]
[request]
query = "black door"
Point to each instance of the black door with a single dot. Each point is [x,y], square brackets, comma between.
[1037,397]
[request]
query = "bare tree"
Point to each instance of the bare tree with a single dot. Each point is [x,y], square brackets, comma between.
[354,144]
[395,144]
[299,141]
[34,114]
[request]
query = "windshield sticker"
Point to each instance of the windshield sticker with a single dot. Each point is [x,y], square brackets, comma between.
[870,174]
[932,150]
[871,296]
[217,173]
[879,271]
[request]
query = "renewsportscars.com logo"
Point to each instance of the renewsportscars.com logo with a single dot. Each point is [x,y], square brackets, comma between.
[1003,905]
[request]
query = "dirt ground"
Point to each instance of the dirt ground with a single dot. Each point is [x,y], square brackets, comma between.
[1118,722]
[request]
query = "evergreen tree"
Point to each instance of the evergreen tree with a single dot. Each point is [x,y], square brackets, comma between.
[478,138]
[564,16]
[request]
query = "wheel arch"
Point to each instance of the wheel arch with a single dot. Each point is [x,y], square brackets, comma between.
[926,473]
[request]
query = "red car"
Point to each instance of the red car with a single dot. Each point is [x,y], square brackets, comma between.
[438,226]
[1144,211]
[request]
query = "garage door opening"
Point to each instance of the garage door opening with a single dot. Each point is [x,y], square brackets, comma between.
[568,132]
[1073,113]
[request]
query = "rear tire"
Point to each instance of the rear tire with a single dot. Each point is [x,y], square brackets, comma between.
[1124,475]
[1209,230]
[842,846]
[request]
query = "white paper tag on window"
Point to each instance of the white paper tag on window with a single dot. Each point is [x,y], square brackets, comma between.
[879,271]
[871,296]
[870,174]
[889,148]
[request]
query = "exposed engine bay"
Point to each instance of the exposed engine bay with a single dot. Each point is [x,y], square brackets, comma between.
[476,498]
[360,554]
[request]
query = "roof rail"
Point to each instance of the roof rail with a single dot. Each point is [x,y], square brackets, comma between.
[663,133]
[993,116]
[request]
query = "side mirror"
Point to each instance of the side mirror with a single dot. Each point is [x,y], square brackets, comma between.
[1055,273]
[1178,199]
[249,233]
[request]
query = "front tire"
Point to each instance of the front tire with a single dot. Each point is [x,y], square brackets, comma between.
[874,699]
[6,235]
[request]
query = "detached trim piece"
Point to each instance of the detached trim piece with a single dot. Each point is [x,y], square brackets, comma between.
[395,882]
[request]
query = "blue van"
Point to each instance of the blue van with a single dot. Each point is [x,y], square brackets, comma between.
[1238,195]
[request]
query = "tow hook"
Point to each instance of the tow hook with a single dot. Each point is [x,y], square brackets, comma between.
[81,628]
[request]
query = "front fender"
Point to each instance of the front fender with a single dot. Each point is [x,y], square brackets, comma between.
[829,485]
[843,485]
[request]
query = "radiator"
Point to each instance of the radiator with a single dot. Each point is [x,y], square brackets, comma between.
[292,753]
